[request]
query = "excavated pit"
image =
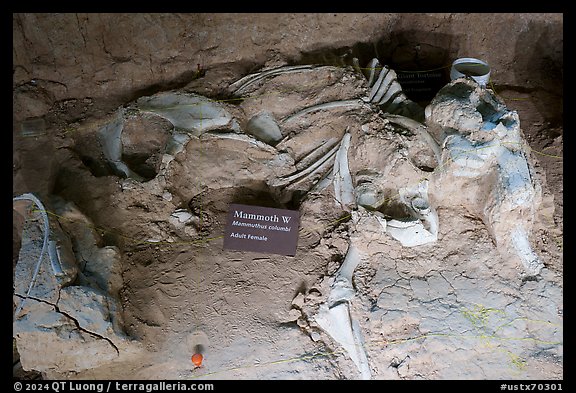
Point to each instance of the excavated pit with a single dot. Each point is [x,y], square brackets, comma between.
[143,201]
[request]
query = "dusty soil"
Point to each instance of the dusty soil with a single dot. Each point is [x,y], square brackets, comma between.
[180,288]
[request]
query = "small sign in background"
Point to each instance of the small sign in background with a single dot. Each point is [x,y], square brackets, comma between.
[421,85]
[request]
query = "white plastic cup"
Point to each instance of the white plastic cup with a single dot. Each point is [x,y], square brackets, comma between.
[468,66]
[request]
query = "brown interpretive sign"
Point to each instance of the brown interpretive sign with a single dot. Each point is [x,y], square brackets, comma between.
[262,229]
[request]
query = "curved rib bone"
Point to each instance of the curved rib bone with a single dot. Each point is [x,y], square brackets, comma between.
[242,84]
[328,105]
[384,86]
[314,168]
[378,83]
[374,69]
[419,130]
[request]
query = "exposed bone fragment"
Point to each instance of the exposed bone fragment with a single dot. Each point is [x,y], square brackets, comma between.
[190,112]
[343,187]
[336,321]
[264,127]
[328,105]
[529,258]
[376,86]
[385,85]
[242,84]
[334,315]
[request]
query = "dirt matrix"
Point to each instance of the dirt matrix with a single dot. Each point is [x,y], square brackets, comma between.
[430,238]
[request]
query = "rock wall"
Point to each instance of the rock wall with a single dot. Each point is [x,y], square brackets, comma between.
[104,60]
[69,68]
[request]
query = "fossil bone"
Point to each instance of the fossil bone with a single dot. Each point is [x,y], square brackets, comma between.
[189,112]
[264,127]
[422,228]
[343,188]
[36,201]
[242,84]
[317,166]
[387,93]
[327,105]
[110,137]
[420,130]
[334,315]
[481,136]
[374,69]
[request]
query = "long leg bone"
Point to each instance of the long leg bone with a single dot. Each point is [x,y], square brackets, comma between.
[374,69]
[482,139]
[334,315]
[190,112]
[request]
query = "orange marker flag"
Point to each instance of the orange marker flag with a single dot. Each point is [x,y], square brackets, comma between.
[197,359]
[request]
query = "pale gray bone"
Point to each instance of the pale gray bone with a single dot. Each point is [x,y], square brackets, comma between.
[337,322]
[413,232]
[182,215]
[419,130]
[110,137]
[409,233]
[391,107]
[374,69]
[475,145]
[242,84]
[49,246]
[468,158]
[323,183]
[264,127]
[417,201]
[54,254]
[36,201]
[393,91]
[343,186]
[319,165]
[342,288]
[514,177]
[528,257]
[387,93]
[378,83]
[357,103]
[176,142]
[334,315]
[191,112]
[384,86]
[316,153]
[364,366]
